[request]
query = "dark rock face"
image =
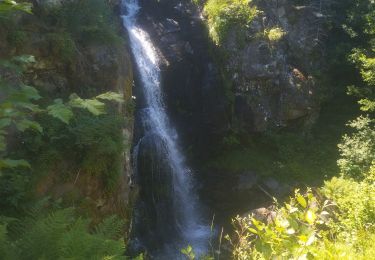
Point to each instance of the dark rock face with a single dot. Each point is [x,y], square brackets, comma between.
[272,80]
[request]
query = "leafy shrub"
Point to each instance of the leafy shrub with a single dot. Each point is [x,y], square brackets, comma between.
[61,235]
[228,14]
[47,135]
[275,34]
[99,145]
[311,227]
[88,21]
[356,204]
[357,150]
[9,6]
[291,234]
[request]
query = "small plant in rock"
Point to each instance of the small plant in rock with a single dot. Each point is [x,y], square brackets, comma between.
[275,34]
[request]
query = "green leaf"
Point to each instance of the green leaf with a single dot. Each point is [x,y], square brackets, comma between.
[188,251]
[257,224]
[7,6]
[310,217]
[9,163]
[301,200]
[4,122]
[252,230]
[26,124]
[30,93]
[32,107]
[60,111]
[113,96]
[94,106]
[24,59]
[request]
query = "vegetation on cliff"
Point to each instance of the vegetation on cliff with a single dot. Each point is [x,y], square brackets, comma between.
[62,155]
[337,219]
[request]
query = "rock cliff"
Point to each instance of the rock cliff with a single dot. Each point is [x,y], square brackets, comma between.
[272,78]
[250,82]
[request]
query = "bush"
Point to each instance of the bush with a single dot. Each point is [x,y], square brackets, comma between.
[99,144]
[312,227]
[59,234]
[88,21]
[357,150]
[356,204]
[228,14]
[275,34]
[292,233]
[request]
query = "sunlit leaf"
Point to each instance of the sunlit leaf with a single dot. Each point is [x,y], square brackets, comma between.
[310,217]
[25,59]
[60,111]
[111,96]
[301,200]
[94,106]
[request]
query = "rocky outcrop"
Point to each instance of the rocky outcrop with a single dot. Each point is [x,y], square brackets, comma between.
[273,83]
[249,82]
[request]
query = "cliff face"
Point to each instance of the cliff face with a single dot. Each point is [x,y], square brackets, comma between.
[250,82]
[66,64]
[273,82]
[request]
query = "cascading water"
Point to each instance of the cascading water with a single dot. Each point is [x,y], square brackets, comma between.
[174,209]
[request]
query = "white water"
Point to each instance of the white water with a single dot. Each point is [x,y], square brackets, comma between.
[192,232]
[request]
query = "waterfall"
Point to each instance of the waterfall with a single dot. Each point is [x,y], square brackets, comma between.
[187,223]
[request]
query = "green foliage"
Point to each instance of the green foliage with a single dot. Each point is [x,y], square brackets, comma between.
[274,34]
[356,204]
[20,109]
[87,21]
[311,227]
[188,252]
[19,105]
[357,150]
[365,62]
[9,6]
[360,24]
[60,111]
[291,234]
[224,15]
[61,235]
[99,137]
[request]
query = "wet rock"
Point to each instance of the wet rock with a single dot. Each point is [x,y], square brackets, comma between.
[247,181]
[266,215]
[275,188]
